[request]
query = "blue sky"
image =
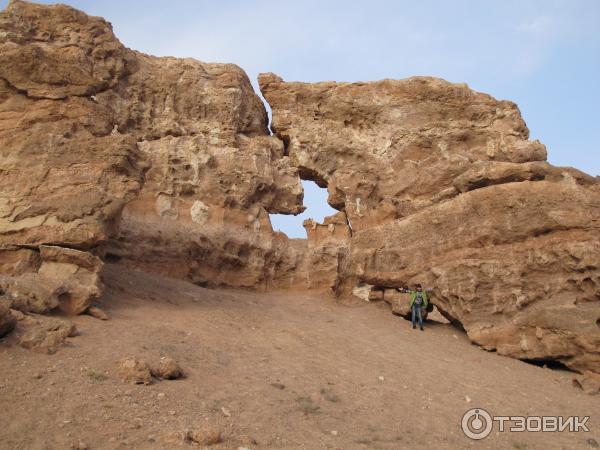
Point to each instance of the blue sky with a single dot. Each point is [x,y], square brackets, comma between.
[542,54]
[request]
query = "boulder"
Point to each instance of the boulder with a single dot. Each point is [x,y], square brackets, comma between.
[167,369]
[48,336]
[67,279]
[96,312]
[205,436]
[76,272]
[31,292]
[133,370]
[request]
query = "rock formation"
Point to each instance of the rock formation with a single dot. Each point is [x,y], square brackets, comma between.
[65,175]
[107,154]
[214,175]
[88,127]
[327,246]
[441,186]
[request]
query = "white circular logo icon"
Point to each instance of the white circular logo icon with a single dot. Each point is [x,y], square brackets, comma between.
[476,423]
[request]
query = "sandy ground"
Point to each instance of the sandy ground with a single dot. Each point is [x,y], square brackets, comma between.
[272,371]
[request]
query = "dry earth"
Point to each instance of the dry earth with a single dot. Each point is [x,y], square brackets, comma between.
[291,371]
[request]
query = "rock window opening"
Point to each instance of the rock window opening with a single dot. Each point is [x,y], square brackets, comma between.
[317,208]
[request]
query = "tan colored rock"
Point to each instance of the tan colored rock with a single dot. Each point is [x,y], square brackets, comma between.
[17,314]
[167,165]
[17,261]
[441,186]
[65,175]
[167,369]
[31,292]
[76,272]
[90,117]
[67,279]
[387,149]
[515,264]
[376,295]
[327,247]
[204,436]
[75,184]
[78,54]
[399,302]
[215,174]
[48,336]
[362,292]
[287,263]
[207,436]
[133,370]
[589,383]
[96,312]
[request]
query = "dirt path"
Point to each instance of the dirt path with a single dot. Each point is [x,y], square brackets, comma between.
[292,371]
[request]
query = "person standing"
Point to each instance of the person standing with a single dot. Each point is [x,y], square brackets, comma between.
[417,300]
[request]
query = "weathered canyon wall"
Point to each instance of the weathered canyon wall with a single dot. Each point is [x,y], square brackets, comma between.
[442,186]
[162,163]
[215,174]
[167,165]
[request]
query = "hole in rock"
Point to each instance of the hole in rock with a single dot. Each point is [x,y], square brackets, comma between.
[548,363]
[315,200]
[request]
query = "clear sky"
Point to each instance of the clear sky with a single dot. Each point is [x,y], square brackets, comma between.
[542,54]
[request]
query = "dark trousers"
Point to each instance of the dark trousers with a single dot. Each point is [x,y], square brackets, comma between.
[416,312]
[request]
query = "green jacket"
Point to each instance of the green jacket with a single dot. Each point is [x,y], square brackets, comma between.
[413,296]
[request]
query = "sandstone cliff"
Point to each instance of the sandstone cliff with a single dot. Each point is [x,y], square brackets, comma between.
[167,165]
[441,186]
[88,126]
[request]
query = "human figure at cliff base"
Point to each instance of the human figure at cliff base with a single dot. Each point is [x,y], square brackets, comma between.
[418,301]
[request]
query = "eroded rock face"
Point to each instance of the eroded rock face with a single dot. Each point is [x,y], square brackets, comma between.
[85,123]
[327,247]
[215,173]
[442,187]
[65,175]
[387,149]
